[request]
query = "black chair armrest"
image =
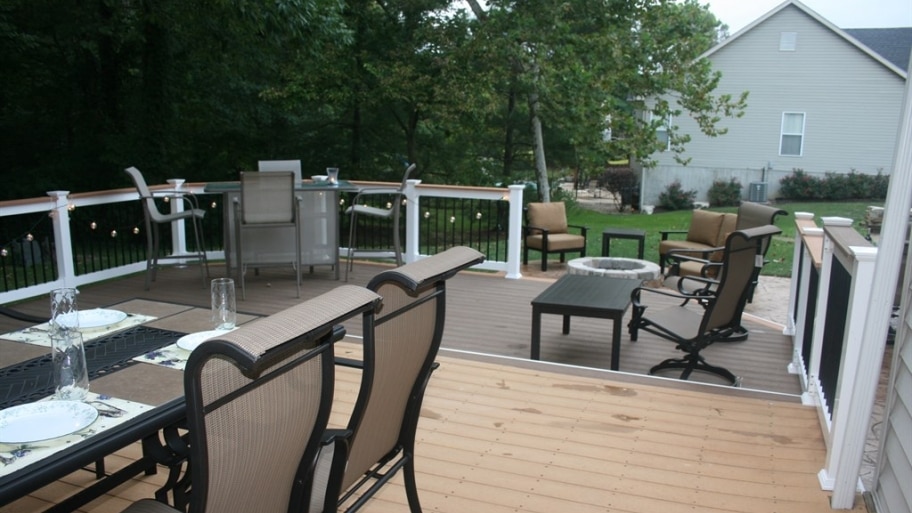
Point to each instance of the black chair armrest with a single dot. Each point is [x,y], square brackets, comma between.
[583,229]
[665,233]
[530,229]
[678,256]
[635,295]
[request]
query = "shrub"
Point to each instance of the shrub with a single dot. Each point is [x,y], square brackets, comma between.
[676,198]
[725,194]
[623,183]
[801,186]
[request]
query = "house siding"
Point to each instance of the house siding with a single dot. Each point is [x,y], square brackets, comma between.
[851,104]
[892,493]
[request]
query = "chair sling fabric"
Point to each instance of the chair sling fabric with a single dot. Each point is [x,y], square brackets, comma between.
[267,201]
[258,402]
[357,208]
[693,330]
[154,218]
[400,345]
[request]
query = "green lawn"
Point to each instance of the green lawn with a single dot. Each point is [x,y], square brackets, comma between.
[780,253]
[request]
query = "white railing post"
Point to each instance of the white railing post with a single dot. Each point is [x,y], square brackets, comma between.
[797,365]
[63,243]
[178,228]
[412,220]
[849,429]
[514,236]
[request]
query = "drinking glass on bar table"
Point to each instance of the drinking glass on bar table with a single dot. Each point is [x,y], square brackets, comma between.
[332,174]
[224,306]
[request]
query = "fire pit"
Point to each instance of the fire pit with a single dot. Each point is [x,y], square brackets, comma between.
[614,267]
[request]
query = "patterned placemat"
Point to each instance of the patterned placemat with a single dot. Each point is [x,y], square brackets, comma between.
[170,356]
[31,380]
[39,334]
[111,412]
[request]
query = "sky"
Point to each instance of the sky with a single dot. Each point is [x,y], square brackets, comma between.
[842,13]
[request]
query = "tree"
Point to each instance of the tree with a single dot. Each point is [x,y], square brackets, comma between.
[583,66]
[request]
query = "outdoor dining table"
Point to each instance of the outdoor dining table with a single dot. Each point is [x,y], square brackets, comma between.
[137,364]
[319,225]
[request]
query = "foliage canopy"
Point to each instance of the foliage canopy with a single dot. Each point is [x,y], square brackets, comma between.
[204,89]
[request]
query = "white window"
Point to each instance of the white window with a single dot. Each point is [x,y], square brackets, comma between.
[791,140]
[662,133]
[788,41]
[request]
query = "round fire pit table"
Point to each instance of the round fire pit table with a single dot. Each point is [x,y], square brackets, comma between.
[614,267]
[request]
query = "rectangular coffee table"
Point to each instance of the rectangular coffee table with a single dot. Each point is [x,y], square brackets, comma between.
[584,296]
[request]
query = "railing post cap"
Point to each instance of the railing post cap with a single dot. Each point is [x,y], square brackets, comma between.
[836,221]
[804,215]
[57,194]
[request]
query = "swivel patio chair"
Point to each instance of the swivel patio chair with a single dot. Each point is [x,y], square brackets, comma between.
[267,202]
[391,211]
[546,231]
[154,218]
[693,330]
[281,165]
[399,351]
[258,401]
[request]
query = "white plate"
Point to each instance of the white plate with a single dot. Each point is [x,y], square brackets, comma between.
[44,420]
[95,318]
[193,340]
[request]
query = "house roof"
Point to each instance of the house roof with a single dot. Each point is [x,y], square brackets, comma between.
[894,44]
[885,40]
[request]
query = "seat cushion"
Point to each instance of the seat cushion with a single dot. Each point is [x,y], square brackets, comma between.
[667,245]
[557,242]
[550,216]
[704,227]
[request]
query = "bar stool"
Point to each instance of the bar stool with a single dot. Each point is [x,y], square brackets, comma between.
[154,218]
[391,212]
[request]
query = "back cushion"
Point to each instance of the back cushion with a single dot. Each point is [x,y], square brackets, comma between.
[550,216]
[704,227]
[728,225]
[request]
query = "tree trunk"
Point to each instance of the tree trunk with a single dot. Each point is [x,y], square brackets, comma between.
[538,144]
[507,169]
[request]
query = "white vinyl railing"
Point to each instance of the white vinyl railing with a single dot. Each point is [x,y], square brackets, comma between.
[59,204]
[832,274]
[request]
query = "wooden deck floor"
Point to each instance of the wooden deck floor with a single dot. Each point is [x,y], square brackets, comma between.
[501,433]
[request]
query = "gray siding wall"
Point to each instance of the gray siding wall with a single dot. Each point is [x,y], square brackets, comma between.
[851,104]
[892,493]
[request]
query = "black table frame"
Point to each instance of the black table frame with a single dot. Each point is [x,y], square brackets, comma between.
[584,296]
[56,466]
[146,427]
[623,233]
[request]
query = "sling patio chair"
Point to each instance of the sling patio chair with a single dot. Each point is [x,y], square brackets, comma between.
[399,347]
[154,218]
[258,401]
[720,318]
[392,211]
[268,202]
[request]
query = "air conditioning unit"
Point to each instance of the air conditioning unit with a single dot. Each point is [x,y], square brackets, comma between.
[757,192]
